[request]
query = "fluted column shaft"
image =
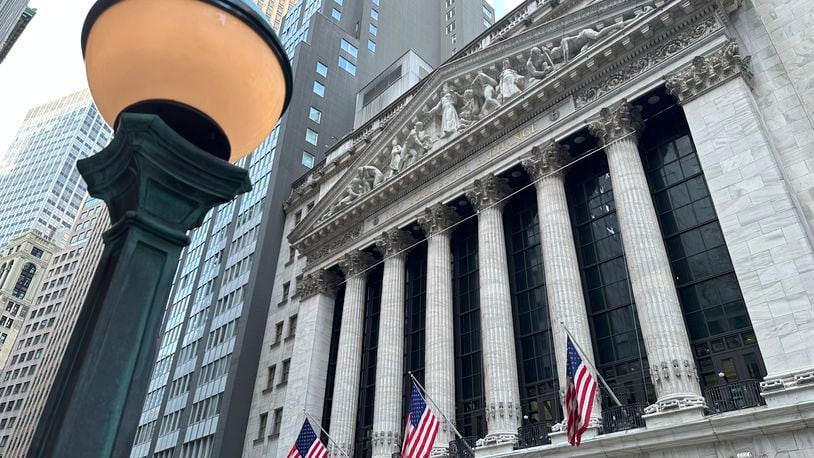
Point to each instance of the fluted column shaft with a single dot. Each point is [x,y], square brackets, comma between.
[349,353]
[497,329]
[566,302]
[388,423]
[439,365]
[665,336]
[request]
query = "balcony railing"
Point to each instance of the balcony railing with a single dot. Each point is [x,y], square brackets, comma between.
[622,418]
[459,449]
[733,396]
[532,435]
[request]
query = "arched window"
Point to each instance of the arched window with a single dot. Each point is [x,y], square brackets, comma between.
[24,280]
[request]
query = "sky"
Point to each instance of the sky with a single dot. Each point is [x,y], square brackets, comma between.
[46,62]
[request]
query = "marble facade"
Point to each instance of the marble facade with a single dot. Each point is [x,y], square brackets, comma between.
[515,101]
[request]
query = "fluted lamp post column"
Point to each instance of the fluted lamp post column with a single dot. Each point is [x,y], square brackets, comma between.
[189,85]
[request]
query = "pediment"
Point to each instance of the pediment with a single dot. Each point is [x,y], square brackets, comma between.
[466,101]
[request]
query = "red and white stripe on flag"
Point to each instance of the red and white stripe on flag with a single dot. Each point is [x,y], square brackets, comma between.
[421,429]
[307,444]
[579,395]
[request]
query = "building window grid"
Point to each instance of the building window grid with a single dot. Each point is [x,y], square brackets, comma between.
[415,305]
[537,372]
[470,402]
[367,381]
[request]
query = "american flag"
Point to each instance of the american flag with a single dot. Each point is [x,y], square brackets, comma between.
[422,427]
[307,444]
[579,395]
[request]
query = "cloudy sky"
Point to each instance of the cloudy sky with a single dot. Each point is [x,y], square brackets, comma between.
[46,63]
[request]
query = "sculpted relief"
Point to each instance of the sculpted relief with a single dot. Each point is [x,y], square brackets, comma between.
[461,104]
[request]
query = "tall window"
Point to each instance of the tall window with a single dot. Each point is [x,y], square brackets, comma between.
[618,347]
[367,382]
[332,354]
[24,280]
[469,398]
[532,328]
[415,307]
[717,322]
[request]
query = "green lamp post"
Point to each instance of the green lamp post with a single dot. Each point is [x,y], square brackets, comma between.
[189,85]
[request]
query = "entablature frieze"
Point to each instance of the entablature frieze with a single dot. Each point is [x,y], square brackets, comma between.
[543,106]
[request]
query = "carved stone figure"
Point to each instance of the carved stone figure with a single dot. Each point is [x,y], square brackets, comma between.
[395,159]
[574,45]
[539,64]
[469,112]
[415,145]
[371,177]
[484,86]
[450,122]
[510,83]
[354,190]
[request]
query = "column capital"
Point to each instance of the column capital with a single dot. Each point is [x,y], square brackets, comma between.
[708,72]
[487,191]
[319,282]
[545,159]
[437,218]
[394,241]
[355,262]
[616,122]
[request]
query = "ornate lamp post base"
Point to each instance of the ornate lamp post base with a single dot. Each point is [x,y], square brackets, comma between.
[157,187]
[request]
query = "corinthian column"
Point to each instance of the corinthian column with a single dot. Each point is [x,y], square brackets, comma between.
[439,365]
[387,420]
[349,354]
[566,302]
[665,337]
[497,329]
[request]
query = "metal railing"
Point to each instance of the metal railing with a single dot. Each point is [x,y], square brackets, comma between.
[532,435]
[457,448]
[622,418]
[733,396]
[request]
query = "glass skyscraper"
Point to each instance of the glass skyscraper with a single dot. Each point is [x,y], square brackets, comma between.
[40,187]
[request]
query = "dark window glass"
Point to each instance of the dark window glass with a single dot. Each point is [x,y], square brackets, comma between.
[336,327]
[532,328]
[415,309]
[710,296]
[469,397]
[24,280]
[367,382]
[618,345]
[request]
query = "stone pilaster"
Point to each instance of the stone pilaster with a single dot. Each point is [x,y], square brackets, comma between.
[566,302]
[388,422]
[497,329]
[349,354]
[764,227]
[665,337]
[309,358]
[439,366]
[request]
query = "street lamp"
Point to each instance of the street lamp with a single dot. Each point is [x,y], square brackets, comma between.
[189,86]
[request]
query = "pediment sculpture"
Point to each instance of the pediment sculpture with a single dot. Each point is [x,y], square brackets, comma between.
[460,106]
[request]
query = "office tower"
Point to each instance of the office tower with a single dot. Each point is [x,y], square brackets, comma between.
[37,351]
[19,26]
[10,13]
[22,268]
[40,187]
[274,10]
[623,172]
[201,389]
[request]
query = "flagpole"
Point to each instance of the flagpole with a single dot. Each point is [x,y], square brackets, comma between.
[588,362]
[308,415]
[457,433]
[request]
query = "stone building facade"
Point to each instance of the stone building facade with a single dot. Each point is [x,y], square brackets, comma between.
[22,270]
[37,352]
[636,173]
